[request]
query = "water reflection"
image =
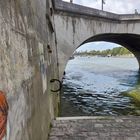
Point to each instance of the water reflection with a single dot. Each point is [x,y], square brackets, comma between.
[95,86]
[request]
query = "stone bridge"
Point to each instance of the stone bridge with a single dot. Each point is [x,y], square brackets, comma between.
[76,25]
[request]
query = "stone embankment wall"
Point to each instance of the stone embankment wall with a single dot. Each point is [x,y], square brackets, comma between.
[28,61]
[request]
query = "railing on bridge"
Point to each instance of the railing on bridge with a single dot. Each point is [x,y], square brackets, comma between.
[60,5]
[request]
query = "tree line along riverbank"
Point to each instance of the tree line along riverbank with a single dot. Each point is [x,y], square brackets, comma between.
[118,51]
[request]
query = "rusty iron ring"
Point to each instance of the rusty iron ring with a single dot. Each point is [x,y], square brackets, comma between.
[60,84]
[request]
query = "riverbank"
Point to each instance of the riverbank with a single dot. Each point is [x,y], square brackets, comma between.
[118,56]
[118,51]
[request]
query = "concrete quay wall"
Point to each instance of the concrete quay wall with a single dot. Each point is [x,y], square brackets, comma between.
[28,62]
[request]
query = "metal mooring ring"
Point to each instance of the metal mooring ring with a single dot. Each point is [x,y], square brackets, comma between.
[60,84]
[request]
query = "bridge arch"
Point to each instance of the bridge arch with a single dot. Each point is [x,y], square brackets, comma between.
[75,25]
[129,41]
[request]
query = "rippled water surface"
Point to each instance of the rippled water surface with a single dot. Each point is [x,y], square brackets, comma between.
[95,86]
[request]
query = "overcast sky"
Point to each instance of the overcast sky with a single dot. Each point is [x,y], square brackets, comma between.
[115,6]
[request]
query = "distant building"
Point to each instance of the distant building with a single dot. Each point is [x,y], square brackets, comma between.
[136,12]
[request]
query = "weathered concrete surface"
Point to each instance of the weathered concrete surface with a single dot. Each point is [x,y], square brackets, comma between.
[76,25]
[96,128]
[26,67]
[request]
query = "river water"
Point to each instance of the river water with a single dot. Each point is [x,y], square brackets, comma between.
[95,86]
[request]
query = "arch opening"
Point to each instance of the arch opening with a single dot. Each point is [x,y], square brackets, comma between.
[129,41]
[96,100]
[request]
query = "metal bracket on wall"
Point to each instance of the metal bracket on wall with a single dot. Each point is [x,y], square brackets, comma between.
[60,84]
[49,48]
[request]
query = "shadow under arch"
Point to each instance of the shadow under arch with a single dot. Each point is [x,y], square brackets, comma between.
[129,41]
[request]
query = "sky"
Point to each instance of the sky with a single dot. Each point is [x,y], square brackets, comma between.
[115,6]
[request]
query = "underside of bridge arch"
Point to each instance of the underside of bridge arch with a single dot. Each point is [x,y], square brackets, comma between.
[129,41]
